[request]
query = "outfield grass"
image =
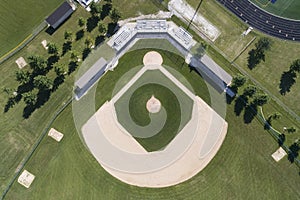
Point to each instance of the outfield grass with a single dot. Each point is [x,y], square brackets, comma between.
[284,8]
[243,168]
[18,19]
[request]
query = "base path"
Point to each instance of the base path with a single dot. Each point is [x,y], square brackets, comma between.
[185,156]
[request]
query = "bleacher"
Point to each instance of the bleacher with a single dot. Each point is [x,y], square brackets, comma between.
[182,36]
[151,29]
[151,25]
[122,37]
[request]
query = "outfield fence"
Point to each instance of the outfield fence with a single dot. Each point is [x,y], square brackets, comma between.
[28,39]
[35,146]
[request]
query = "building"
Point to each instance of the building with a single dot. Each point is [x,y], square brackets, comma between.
[60,15]
[90,77]
[85,3]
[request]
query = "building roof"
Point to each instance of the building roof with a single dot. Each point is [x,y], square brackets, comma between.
[59,13]
[91,73]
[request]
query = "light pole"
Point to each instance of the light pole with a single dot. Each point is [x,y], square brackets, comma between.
[198,7]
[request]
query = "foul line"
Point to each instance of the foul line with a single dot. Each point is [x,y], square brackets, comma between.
[16,46]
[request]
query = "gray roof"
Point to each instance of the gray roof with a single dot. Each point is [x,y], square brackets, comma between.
[90,74]
[216,69]
[60,13]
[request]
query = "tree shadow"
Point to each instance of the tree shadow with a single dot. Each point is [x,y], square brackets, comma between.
[72,67]
[112,28]
[294,149]
[79,34]
[99,39]
[254,58]
[240,104]
[106,8]
[67,46]
[85,53]
[250,113]
[25,88]
[287,80]
[9,104]
[92,23]
[57,82]
[42,97]
[281,139]
[52,60]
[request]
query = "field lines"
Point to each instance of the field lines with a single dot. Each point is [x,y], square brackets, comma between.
[16,47]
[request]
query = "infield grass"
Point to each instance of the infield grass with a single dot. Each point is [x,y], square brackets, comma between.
[132,114]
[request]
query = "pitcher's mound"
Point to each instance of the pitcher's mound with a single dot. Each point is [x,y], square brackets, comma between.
[153,105]
[152,58]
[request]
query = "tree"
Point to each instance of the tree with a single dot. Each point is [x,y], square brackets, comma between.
[274,116]
[250,90]
[291,130]
[68,35]
[95,9]
[74,56]
[295,66]
[82,22]
[115,15]
[88,42]
[59,70]
[263,44]
[101,28]
[22,77]
[30,98]
[261,99]
[238,81]
[52,48]
[37,63]
[42,82]
[108,1]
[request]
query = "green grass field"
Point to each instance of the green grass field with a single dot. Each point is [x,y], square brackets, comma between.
[19,18]
[19,134]
[268,73]
[284,8]
[241,169]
